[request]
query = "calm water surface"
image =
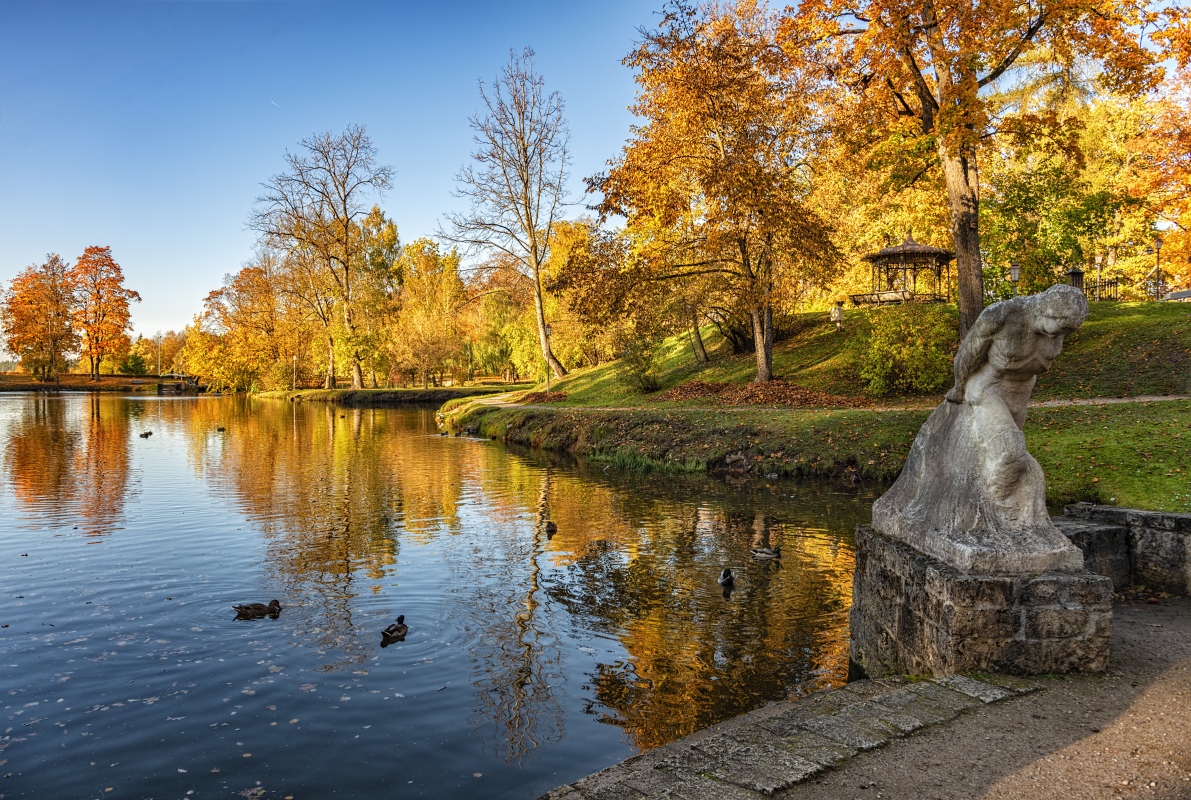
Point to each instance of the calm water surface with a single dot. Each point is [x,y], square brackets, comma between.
[531,660]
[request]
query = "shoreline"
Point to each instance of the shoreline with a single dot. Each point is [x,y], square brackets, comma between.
[1130,453]
[384,398]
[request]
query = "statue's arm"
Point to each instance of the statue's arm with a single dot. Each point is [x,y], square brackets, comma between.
[973,351]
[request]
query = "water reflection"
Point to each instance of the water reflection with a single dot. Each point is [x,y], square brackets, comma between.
[533,646]
[70,460]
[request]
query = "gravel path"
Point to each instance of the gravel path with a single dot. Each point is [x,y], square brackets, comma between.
[1123,734]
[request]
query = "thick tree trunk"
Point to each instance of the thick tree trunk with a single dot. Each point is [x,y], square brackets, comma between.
[329,381]
[357,373]
[963,199]
[763,339]
[697,338]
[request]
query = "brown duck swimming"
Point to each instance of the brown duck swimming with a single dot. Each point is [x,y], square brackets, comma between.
[258,610]
[395,632]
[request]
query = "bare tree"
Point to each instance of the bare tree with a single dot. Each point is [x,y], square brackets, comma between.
[517,184]
[314,207]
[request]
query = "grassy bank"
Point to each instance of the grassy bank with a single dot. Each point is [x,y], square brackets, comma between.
[1123,350]
[1133,454]
[18,382]
[383,398]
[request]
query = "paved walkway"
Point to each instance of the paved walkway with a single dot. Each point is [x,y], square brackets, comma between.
[1126,733]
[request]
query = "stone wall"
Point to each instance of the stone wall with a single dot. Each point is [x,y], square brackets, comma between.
[912,614]
[1151,548]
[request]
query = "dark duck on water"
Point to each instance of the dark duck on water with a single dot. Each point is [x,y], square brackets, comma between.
[258,610]
[395,632]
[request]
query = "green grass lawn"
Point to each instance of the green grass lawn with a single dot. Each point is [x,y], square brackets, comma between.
[1136,455]
[1124,349]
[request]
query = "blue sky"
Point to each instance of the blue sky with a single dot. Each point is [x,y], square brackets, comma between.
[149,126]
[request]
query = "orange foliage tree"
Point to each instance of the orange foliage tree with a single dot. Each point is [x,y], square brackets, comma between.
[101,315]
[38,317]
[713,185]
[927,73]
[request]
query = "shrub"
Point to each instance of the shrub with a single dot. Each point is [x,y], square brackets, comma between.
[908,350]
[638,364]
[133,364]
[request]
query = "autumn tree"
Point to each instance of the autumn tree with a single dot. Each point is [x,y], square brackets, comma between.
[928,74]
[714,184]
[313,211]
[39,317]
[517,185]
[380,282]
[432,292]
[102,316]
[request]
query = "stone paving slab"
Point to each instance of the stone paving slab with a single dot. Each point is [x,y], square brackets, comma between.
[775,747]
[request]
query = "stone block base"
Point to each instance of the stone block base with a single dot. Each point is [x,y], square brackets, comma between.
[912,614]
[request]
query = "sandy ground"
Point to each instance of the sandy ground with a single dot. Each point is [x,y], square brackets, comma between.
[1126,733]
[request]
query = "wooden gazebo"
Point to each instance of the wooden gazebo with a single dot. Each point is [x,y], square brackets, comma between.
[908,273]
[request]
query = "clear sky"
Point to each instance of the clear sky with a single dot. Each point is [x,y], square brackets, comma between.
[149,125]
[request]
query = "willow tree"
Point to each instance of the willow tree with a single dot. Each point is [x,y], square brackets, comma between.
[315,209]
[940,65]
[714,184]
[517,185]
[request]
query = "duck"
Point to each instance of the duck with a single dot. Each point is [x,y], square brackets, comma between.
[146,434]
[551,528]
[726,578]
[766,553]
[221,429]
[397,630]
[258,610]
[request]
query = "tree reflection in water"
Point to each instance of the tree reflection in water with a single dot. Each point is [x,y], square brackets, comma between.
[69,460]
[618,613]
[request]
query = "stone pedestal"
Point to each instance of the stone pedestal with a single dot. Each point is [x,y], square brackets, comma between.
[913,614]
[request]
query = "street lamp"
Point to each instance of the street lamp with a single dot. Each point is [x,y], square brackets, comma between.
[1014,275]
[548,330]
[1157,268]
[1099,261]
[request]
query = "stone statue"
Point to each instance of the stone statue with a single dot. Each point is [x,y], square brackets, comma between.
[970,494]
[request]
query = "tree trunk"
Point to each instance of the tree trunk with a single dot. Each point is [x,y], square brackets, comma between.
[963,199]
[357,372]
[551,362]
[329,382]
[763,340]
[697,338]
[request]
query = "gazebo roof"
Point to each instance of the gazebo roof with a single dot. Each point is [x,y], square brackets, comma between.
[909,247]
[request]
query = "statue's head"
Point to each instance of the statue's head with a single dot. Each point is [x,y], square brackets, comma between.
[1059,310]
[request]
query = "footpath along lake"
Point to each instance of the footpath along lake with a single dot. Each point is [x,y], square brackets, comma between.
[531,661]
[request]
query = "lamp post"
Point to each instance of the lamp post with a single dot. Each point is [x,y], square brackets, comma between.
[1157,268]
[1015,275]
[1099,261]
[549,330]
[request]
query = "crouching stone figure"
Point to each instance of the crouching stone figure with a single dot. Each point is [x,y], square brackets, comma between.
[970,494]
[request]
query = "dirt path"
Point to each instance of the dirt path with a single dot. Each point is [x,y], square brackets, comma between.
[1123,734]
[498,402]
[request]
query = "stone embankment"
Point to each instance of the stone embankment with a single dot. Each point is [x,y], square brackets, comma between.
[786,743]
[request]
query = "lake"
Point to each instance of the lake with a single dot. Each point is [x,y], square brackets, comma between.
[531,660]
